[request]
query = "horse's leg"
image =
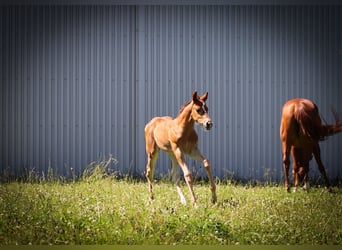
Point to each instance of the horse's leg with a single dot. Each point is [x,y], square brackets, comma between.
[196,155]
[286,163]
[176,177]
[306,177]
[151,160]
[187,174]
[295,177]
[295,170]
[288,135]
[317,155]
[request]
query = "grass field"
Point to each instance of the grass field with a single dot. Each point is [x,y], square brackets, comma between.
[109,211]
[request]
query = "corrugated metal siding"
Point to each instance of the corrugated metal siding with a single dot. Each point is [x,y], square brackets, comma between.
[66,76]
[80,82]
[251,59]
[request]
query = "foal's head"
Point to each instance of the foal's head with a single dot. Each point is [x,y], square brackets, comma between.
[199,112]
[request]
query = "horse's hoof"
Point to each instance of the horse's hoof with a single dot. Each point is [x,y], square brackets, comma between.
[214,200]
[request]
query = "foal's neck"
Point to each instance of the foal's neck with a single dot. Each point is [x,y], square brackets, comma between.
[184,119]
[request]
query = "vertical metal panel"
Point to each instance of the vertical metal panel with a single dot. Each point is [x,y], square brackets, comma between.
[65,87]
[81,82]
[251,59]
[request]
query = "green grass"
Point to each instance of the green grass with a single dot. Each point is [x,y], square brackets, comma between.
[109,211]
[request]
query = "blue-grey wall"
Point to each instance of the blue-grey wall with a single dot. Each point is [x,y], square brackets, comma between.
[79,82]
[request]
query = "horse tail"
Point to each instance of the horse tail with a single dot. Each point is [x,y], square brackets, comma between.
[329,130]
[311,126]
[332,129]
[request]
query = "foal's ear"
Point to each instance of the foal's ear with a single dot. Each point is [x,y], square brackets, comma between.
[194,96]
[204,97]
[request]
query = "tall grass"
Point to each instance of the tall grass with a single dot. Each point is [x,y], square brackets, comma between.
[103,210]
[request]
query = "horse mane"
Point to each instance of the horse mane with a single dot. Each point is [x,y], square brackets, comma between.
[183,107]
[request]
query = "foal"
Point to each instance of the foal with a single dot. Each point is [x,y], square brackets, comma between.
[178,137]
[300,131]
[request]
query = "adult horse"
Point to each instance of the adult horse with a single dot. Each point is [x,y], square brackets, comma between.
[178,137]
[301,130]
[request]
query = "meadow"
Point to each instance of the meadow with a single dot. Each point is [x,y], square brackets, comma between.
[106,210]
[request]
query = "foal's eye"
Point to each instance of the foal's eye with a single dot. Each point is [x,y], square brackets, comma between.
[200,111]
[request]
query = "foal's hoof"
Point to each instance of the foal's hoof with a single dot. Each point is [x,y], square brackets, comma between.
[183,200]
[151,200]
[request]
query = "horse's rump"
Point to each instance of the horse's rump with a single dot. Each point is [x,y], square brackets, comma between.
[309,121]
[150,130]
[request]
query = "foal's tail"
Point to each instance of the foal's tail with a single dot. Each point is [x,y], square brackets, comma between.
[311,125]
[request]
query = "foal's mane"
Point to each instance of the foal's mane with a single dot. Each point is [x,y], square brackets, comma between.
[183,107]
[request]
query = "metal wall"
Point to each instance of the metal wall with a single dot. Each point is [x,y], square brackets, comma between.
[81,82]
[251,59]
[66,87]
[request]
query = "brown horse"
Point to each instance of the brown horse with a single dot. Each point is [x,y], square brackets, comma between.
[300,131]
[177,137]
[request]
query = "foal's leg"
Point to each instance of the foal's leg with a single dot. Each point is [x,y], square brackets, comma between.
[187,174]
[176,177]
[151,160]
[196,155]
[317,155]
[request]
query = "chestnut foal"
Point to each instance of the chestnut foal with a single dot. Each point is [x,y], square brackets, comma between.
[178,137]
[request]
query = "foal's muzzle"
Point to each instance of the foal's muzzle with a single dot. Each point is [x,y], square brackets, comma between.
[207,124]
